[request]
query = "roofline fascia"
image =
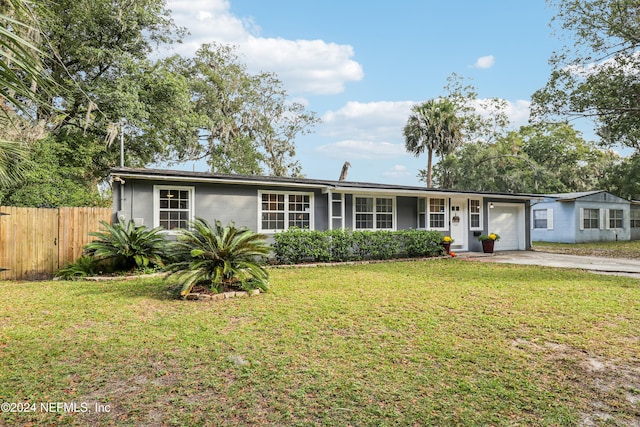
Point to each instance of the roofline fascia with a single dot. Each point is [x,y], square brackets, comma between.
[219,180]
[423,192]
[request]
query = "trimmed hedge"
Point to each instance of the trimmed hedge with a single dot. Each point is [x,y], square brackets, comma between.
[296,246]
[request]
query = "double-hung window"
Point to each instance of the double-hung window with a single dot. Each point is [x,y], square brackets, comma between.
[374,213]
[540,218]
[173,206]
[432,213]
[280,211]
[591,219]
[615,218]
[437,212]
[635,218]
[475,212]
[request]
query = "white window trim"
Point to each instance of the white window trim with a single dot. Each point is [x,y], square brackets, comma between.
[332,214]
[600,219]
[608,220]
[634,215]
[394,213]
[286,209]
[428,213]
[446,214]
[481,214]
[156,204]
[549,219]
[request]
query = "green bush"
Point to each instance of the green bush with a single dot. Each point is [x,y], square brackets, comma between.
[218,258]
[296,246]
[84,266]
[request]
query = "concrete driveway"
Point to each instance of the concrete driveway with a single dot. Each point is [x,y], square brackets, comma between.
[617,266]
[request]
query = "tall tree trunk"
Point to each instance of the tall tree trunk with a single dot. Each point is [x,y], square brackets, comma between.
[429,162]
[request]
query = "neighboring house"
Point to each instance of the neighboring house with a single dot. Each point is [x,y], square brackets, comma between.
[589,216]
[271,204]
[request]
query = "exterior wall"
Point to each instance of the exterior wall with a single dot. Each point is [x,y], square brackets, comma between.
[567,220]
[407,216]
[240,203]
[564,223]
[603,233]
[212,202]
[635,231]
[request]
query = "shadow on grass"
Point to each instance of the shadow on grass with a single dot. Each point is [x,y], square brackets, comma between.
[155,288]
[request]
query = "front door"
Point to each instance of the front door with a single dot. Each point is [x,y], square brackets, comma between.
[458,224]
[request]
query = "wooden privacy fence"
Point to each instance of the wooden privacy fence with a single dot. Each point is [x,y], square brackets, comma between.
[36,242]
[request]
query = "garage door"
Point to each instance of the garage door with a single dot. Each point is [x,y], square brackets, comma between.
[507,220]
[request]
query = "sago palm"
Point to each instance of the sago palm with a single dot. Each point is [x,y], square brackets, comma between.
[432,126]
[219,257]
[128,246]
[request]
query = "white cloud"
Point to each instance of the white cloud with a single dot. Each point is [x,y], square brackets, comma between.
[376,121]
[397,171]
[305,66]
[367,150]
[485,62]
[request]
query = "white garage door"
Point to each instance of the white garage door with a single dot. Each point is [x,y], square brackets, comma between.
[507,220]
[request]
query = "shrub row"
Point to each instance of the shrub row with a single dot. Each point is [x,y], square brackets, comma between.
[297,246]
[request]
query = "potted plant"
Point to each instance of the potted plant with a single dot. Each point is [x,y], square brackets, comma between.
[446,242]
[488,241]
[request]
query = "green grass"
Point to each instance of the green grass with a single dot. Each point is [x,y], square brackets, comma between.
[439,342]
[610,249]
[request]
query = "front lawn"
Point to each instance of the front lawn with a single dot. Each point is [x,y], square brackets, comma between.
[609,249]
[437,342]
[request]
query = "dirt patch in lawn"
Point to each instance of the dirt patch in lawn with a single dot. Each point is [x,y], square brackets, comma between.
[610,388]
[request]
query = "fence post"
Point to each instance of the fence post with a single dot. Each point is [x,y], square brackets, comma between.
[1,215]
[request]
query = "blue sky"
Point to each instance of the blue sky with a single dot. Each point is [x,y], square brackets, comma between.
[360,66]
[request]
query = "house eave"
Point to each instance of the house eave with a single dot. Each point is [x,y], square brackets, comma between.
[325,186]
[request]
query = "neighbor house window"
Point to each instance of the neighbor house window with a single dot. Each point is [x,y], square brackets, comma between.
[173,207]
[615,218]
[474,214]
[591,219]
[635,218]
[373,213]
[540,218]
[437,213]
[280,211]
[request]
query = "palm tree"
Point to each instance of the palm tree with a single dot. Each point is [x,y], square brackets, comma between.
[21,74]
[432,126]
[13,162]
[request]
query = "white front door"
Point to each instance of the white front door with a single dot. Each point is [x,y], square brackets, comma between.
[458,224]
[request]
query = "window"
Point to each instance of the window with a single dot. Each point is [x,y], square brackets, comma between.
[615,218]
[436,213]
[280,211]
[384,214]
[591,219]
[173,207]
[422,213]
[474,214]
[431,213]
[337,214]
[540,218]
[373,213]
[635,218]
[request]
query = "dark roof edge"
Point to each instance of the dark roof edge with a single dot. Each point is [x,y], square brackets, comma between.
[163,174]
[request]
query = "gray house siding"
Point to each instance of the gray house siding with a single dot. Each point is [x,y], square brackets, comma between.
[407,212]
[240,199]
